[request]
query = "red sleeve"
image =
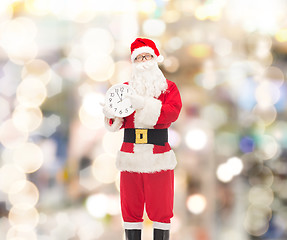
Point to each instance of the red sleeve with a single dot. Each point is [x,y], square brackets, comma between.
[171,105]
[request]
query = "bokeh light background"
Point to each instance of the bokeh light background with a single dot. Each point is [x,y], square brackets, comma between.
[58,179]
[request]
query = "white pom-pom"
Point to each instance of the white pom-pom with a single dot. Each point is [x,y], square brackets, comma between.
[160,58]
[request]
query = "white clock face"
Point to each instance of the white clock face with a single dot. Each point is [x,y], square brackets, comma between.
[117,102]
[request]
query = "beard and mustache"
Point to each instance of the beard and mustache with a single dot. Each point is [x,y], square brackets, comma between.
[147,79]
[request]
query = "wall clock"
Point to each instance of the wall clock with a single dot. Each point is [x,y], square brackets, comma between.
[117,101]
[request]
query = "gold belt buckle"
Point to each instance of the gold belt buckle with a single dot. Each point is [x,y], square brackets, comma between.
[141,136]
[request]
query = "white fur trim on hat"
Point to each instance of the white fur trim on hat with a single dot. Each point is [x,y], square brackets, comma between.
[145,161]
[141,50]
[160,58]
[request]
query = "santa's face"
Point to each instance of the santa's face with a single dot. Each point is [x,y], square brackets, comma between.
[147,78]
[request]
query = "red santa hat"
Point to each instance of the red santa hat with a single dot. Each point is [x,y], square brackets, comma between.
[144,45]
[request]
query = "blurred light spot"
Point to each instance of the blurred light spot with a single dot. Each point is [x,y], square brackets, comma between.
[267,114]
[122,72]
[261,176]
[199,50]
[5,109]
[216,113]
[223,173]
[15,232]
[55,85]
[275,76]
[235,165]
[24,217]
[69,68]
[196,203]
[267,93]
[94,121]
[171,64]
[19,28]
[29,157]
[174,44]
[22,51]
[226,143]
[99,67]
[257,219]
[37,7]
[91,103]
[10,136]
[39,69]
[87,179]
[118,181]
[79,11]
[27,119]
[97,205]
[171,16]
[31,92]
[146,6]
[246,144]
[13,73]
[223,47]
[49,125]
[281,35]
[267,147]
[228,234]
[210,11]
[9,175]
[26,193]
[112,142]
[174,138]
[6,11]
[154,27]
[259,195]
[104,168]
[279,131]
[196,139]
[97,41]
[91,231]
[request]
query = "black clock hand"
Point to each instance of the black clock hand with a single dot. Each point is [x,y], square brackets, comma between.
[119,97]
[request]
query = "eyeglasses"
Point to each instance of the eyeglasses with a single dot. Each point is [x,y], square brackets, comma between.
[140,58]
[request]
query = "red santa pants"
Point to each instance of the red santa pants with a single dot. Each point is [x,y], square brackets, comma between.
[155,191]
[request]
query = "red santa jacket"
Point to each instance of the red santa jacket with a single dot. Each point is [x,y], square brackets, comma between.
[158,113]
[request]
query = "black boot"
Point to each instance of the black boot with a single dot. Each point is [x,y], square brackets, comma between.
[133,234]
[159,234]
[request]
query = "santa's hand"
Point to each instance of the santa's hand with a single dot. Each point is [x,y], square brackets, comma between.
[107,112]
[137,101]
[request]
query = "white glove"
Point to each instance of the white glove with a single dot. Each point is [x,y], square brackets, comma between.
[137,101]
[107,112]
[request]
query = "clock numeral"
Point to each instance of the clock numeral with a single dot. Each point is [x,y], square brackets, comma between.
[116,90]
[115,109]
[120,112]
[112,94]
[110,99]
[122,89]
[111,105]
[126,110]
[131,106]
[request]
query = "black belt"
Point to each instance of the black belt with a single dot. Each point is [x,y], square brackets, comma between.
[146,136]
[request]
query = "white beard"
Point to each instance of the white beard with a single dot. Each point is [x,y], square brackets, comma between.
[147,79]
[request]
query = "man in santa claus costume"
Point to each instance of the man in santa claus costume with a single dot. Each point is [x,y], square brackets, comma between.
[145,159]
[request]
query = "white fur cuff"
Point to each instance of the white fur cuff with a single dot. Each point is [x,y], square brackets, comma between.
[145,162]
[150,113]
[133,225]
[162,226]
[116,126]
